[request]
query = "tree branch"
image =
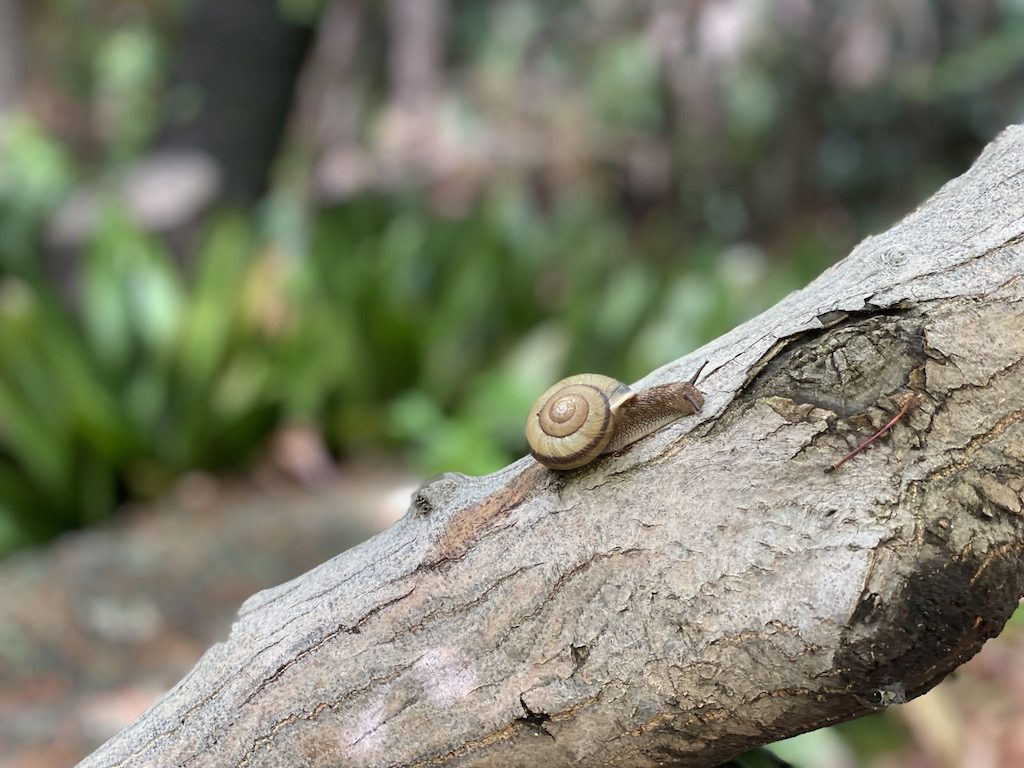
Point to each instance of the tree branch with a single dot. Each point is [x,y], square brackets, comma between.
[706,590]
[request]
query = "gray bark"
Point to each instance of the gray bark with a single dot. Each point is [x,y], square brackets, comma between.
[706,590]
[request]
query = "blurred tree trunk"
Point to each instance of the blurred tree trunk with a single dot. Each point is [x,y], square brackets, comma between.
[416,52]
[10,55]
[416,36]
[709,589]
[240,60]
[236,70]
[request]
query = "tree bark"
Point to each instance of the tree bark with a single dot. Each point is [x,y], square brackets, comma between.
[708,589]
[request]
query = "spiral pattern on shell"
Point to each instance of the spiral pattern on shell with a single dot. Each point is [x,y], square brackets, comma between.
[573,421]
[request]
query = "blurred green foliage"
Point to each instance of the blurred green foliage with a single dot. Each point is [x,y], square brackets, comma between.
[694,166]
[396,329]
[35,172]
[143,381]
[859,741]
[127,74]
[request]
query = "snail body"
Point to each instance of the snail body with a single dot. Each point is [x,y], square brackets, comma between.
[584,416]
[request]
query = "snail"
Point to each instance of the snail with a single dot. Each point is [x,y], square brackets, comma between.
[584,416]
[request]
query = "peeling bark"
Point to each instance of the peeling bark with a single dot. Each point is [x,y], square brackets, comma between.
[710,588]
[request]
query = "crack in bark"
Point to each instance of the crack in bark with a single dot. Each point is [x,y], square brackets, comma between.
[276,727]
[534,720]
[1017,239]
[464,607]
[298,657]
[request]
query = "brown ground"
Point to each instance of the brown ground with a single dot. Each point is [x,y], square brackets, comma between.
[96,626]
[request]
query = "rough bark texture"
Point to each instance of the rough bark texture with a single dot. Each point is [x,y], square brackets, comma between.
[708,589]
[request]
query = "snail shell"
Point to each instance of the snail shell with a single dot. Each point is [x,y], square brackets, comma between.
[573,421]
[581,417]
